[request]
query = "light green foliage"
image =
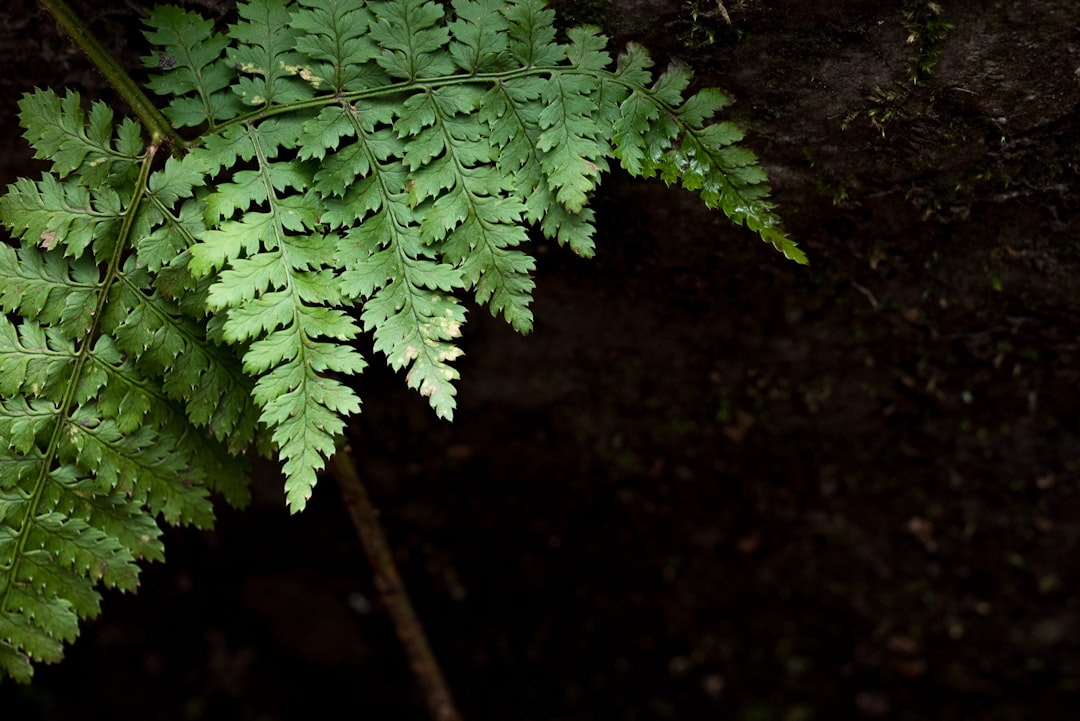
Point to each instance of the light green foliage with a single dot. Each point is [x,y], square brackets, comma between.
[355,168]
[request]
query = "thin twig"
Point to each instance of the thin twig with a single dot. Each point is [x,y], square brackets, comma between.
[392,591]
[723,11]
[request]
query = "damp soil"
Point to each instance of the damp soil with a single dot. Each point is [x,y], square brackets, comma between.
[711,484]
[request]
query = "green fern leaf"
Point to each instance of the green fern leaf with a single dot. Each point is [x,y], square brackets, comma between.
[61,132]
[334,36]
[480,40]
[473,202]
[729,177]
[33,360]
[57,214]
[53,544]
[351,161]
[24,641]
[265,54]
[306,412]
[414,320]
[512,110]
[635,129]
[50,581]
[85,549]
[532,34]
[93,447]
[175,348]
[275,294]
[357,167]
[121,394]
[172,232]
[410,39]
[586,50]
[405,292]
[22,419]
[145,465]
[194,73]
[49,288]
[571,151]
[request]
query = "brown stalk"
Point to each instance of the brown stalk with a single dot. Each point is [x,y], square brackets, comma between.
[391,590]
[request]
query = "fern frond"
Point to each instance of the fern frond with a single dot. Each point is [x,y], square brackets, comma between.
[411,39]
[358,167]
[194,73]
[467,205]
[171,232]
[91,387]
[62,214]
[335,39]
[148,466]
[49,288]
[265,54]
[641,126]
[277,296]
[169,345]
[480,41]
[33,360]
[60,132]
[727,176]
[571,151]
[657,132]
[413,317]
[170,221]
[404,289]
[512,111]
[531,28]
[50,556]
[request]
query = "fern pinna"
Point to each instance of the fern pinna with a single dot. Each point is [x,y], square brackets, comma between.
[353,167]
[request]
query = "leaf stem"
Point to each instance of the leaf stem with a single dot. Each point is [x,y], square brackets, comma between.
[391,590]
[159,128]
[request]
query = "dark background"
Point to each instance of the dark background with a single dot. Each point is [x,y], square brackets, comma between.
[711,484]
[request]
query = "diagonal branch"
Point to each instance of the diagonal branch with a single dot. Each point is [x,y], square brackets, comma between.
[391,589]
